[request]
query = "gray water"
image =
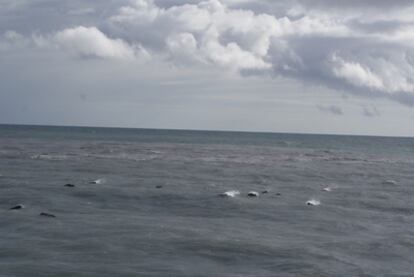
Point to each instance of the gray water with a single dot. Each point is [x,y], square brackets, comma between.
[126,225]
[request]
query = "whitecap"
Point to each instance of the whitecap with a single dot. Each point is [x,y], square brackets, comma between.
[327,189]
[49,157]
[389,182]
[313,202]
[230,193]
[98,181]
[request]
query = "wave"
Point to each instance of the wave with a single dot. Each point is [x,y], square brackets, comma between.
[49,157]
[313,202]
[390,182]
[230,193]
[98,181]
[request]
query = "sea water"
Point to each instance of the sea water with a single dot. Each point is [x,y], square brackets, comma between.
[150,203]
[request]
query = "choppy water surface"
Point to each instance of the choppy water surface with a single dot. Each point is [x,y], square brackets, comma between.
[156,208]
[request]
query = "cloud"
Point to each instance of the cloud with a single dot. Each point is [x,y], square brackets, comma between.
[332,109]
[90,42]
[81,11]
[355,4]
[83,42]
[345,45]
[232,38]
[215,33]
[318,46]
[355,74]
[370,112]
[12,41]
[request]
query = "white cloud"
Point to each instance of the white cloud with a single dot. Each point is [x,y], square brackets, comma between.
[318,41]
[390,75]
[183,46]
[356,74]
[83,42]
[91,42]
[233,38]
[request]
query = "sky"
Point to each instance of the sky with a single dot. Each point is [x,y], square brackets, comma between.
[297,66]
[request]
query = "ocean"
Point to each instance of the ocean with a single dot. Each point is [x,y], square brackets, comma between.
[150,203]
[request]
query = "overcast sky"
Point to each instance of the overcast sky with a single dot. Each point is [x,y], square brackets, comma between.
[303,66]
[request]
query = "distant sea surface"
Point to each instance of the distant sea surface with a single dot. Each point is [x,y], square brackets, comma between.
[155,207]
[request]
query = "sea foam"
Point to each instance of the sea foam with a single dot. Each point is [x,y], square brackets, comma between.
[313,202]
[98,181]
[230,193]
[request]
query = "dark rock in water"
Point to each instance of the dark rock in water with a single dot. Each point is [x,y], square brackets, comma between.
[253,194]
[265,191]
[158,187]
[47,214]
[70,185]
[17,207]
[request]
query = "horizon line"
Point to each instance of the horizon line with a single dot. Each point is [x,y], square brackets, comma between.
[205,130]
